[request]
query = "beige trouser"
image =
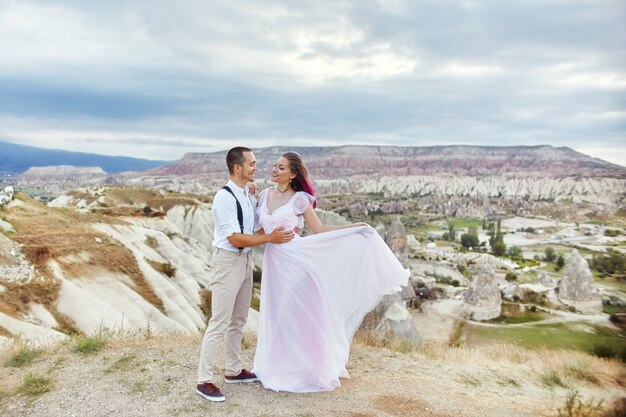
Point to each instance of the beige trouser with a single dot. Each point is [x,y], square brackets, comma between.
[231,287]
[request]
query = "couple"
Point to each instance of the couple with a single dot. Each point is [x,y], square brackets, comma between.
[315,290]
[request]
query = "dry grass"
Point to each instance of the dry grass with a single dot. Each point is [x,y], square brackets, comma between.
[368,338]
[162,267]
[586,368]
[16,298]
[120,196]
[35,385]
[23,357]
[140,197]
[4,332]
[18,295]
[206,297]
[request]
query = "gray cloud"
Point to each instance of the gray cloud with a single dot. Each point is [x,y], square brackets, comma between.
[395,72]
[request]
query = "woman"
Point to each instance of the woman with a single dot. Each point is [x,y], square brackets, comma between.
[315,290]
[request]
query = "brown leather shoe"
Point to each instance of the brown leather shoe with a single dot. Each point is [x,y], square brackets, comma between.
[210,392]
[244,376]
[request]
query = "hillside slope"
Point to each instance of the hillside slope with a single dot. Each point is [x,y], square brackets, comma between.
[110,260]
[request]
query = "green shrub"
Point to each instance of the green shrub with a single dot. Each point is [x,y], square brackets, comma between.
[151,242]
[23,357]
[510,276]
[552,379]
[609,352]
[87,345]
[35,385]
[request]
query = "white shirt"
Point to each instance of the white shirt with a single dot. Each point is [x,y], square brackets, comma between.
[225,216]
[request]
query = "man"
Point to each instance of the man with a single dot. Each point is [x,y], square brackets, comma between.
[231,274]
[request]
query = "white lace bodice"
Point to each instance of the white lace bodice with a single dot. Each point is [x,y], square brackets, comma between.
[289,215]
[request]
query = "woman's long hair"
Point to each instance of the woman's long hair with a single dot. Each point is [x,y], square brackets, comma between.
[301,182]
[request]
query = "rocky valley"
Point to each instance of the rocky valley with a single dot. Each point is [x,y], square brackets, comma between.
[85,253]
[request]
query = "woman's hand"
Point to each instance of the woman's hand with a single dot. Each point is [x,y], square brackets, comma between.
[252,188]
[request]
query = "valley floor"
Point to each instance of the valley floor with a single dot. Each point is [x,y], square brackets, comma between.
[155,376]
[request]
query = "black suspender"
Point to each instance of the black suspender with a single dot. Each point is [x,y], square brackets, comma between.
[239,209]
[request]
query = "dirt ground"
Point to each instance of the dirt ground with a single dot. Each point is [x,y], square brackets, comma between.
[155,376]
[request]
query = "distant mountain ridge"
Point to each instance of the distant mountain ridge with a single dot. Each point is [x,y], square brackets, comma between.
[351,160]
[16,159]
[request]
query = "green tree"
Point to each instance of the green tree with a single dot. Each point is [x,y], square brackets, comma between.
[470,239]
[550,254]
[498,248]
[515,251]
[451,232]
[560,261]
[611,263]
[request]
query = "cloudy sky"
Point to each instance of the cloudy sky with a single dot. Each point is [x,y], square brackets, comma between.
[156,79]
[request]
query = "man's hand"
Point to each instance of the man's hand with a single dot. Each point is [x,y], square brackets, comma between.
[280,235]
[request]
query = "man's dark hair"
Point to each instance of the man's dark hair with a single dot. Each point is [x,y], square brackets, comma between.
[235,157]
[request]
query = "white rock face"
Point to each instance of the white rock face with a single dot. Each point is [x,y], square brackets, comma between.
[577,287]
[412,244]
[61,201]
[397,322]
[545,280]
[436,269]
[482,300]
[193,222]
[106,302]
[391,320]
[37,335]
[513,291]
[486,259]
[533,188]
[40,315]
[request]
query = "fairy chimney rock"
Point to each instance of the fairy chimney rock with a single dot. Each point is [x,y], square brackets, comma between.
[577,287]
[380,229]
[482,300]
[390,319]
[396,240]
[396,236]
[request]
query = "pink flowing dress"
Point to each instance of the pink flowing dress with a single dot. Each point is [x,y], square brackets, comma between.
[315,291]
